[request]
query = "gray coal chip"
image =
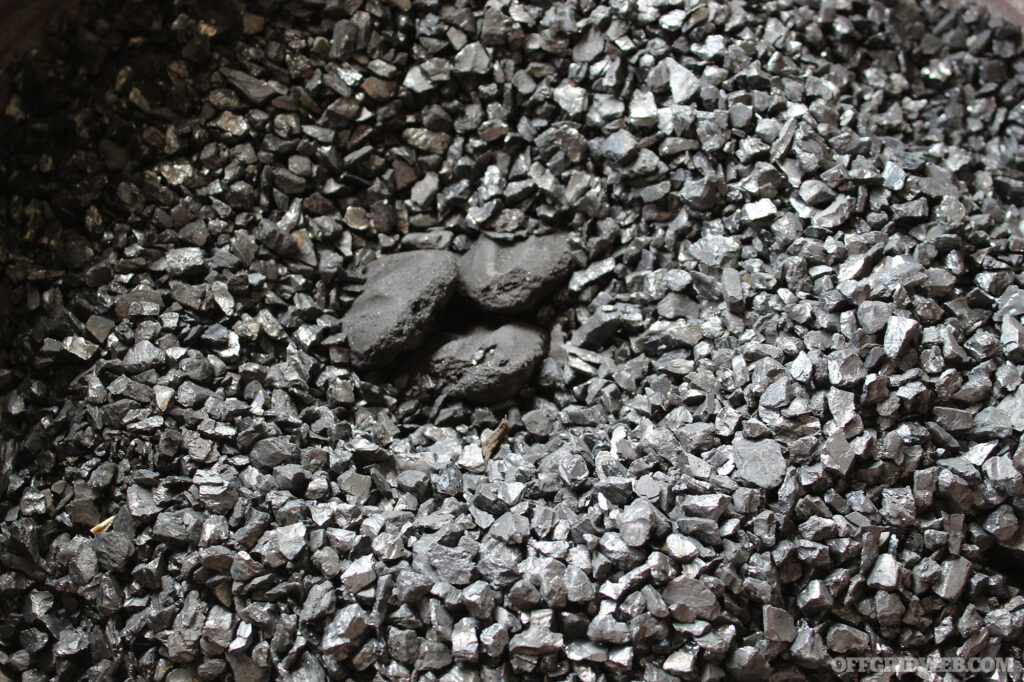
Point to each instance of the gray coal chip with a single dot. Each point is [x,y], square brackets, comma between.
[845,368]
[689,599]
[620,147]
[113,550]
[901,334]
[139,303]
[70,641]
[779,625]
[345,630]
[143,356]
[472,58]
[759,463]
[253,88]
[185,261]
[271,452]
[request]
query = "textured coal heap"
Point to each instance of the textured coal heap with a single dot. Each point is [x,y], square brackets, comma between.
[776,411]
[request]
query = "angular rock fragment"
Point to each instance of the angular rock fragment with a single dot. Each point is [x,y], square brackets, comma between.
[536,641]
[954,574]
[953,419]
[270,452]
[143,356]
[571,98]
[343,634]
[900,334]
[75,346]
[253,88]
[99,326]
[748,664]
[874,316]
[837,454]
[759,463]
[845,368]
[688,599]
[139,303]
[620,147]
[778,624]
[186,261]
[70,642]
[472,58]
[885,573]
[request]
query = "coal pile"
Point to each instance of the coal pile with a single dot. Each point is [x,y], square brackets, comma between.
[381,340]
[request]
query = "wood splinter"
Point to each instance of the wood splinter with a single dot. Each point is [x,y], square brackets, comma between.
[491,443]
[103,525]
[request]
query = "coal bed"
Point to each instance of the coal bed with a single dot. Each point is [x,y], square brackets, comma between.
[406,340]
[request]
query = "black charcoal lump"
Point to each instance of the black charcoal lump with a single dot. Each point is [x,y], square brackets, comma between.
[513,278]
[488,365]
[403,295]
